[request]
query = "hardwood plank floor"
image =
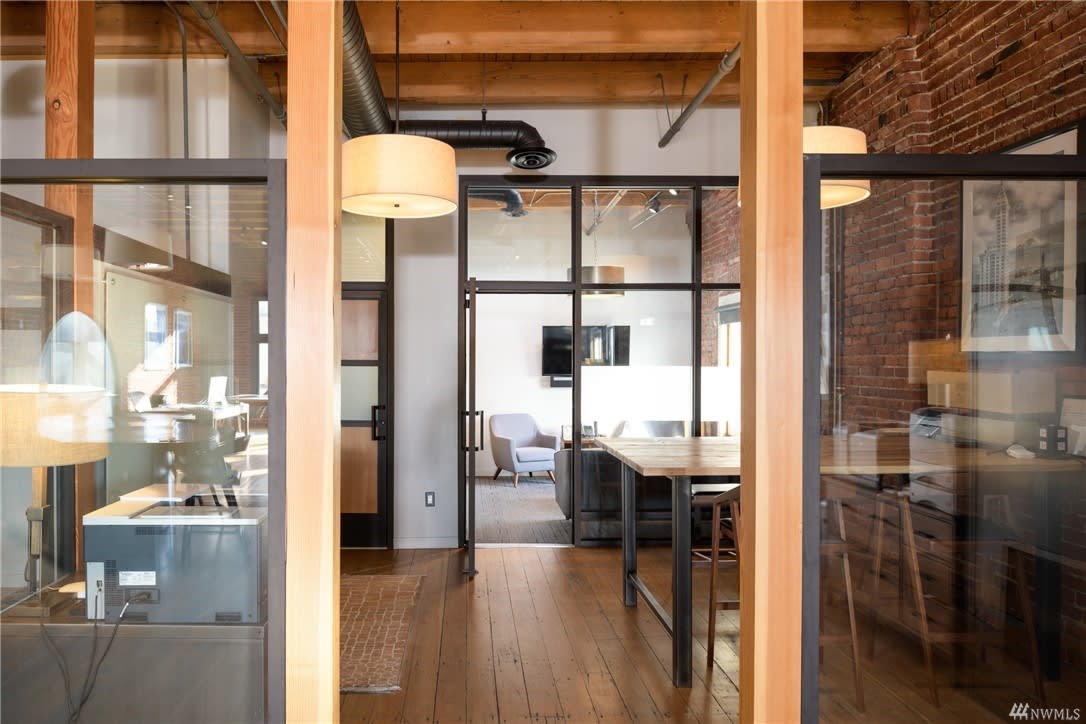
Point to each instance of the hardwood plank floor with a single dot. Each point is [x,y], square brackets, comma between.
[541,634]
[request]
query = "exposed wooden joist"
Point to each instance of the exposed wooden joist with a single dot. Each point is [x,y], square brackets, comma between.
[524,82]
[771,253]
[137,29]
[312,350]
[69,133]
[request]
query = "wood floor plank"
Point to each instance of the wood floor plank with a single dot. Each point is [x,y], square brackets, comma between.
[539,679]
[569,678]
[451,701]
[603,694]
[557,614]
[481,686]
[655,677]
[420,689]
[508,671]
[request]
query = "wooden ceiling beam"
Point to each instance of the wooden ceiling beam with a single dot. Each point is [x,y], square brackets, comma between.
[142,29]
[564,82]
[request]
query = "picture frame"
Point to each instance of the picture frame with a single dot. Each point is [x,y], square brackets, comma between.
[1073,417]
[1020,252]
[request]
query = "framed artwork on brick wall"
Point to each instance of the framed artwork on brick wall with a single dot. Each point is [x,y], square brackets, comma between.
[1020,254]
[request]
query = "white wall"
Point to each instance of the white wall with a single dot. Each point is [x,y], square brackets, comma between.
[614,141]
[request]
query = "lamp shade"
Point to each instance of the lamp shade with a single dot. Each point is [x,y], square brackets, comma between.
[603,275]
[44,425]
[398,176]
[838,139]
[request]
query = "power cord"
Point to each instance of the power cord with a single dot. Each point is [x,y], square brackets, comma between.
[93,667]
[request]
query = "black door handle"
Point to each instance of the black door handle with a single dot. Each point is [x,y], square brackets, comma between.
[375,422]
[482,416]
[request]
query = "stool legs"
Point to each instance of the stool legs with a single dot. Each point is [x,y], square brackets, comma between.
[714,564]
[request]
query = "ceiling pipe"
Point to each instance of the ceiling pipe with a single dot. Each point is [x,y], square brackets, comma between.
[238,60]
[727,65]
[279,12]
[528,148]
[514,202]
[364,107]
[365,110]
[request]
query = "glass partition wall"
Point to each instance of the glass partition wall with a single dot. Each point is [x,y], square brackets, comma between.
[141,468]
[613,304]
[946,481]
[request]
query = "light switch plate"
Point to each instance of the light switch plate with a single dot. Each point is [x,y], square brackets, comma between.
[430,499]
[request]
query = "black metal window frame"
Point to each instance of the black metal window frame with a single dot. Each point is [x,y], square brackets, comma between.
[920,167]
[271,173]
[576,185]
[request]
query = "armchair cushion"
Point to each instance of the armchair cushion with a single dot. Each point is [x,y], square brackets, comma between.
[534,454]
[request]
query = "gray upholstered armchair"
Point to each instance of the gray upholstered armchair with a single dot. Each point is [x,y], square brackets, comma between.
[519,447]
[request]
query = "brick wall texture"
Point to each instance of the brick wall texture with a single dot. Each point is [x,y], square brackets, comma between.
[982,77]
[720,258]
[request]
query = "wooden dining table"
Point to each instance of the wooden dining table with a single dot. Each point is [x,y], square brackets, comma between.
[683,460]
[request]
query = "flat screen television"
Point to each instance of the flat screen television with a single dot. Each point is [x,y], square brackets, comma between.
[557,351]
[612,348]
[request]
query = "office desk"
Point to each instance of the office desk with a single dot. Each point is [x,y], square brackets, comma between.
[678,458]
[682,459]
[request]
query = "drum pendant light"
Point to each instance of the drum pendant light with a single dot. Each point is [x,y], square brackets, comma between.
[396,176]
[838,139]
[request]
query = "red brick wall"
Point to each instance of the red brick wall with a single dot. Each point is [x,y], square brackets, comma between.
[720,258]
[984,76]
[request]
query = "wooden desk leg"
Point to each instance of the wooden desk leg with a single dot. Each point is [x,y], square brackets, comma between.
[629,537]
[682,634]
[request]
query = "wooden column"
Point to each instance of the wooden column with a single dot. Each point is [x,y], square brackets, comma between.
[771,254]
[312,349]
[69,133]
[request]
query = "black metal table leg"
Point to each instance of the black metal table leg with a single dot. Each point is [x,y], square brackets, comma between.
[683,606]
[629,536]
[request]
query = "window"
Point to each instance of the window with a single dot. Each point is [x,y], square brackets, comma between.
[156,355]
[182,338]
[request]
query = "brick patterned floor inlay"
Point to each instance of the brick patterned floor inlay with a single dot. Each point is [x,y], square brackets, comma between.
[375,617]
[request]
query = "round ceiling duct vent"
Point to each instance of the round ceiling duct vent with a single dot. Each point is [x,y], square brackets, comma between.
[531,158]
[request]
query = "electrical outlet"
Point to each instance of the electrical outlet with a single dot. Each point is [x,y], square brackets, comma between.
[430,499]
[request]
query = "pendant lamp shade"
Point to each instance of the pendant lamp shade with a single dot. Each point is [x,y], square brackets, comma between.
[398,176]
[838,139]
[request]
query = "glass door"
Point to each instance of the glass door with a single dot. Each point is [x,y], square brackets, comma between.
[364,489]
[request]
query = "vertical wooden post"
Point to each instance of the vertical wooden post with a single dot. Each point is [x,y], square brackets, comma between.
[312,349]
[771,252]
[69,133]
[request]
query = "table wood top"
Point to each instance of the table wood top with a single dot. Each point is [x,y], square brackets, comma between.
[856,454]
[671,456]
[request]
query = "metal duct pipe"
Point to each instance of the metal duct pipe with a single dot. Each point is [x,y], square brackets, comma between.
[529,150]
[364,108]
[727,65]
[514,202]
[237,59]
[279,11]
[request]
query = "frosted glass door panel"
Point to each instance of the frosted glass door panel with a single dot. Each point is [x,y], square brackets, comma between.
[359,392]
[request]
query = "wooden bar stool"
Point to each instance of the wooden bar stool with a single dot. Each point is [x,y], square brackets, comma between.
[949,548]
[835,545]
[718,497]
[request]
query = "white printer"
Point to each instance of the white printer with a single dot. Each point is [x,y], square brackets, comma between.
[190,560]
